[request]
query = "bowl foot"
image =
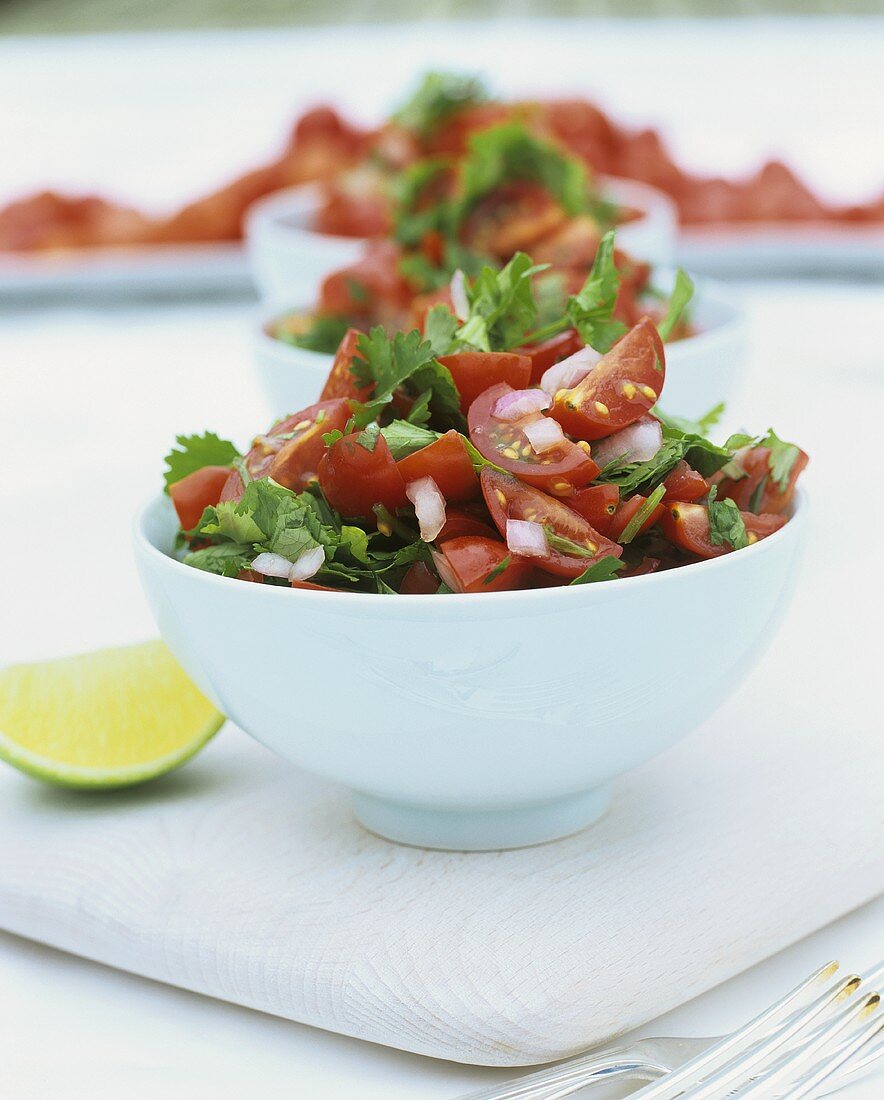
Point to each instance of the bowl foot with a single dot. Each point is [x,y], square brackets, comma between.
[480,830]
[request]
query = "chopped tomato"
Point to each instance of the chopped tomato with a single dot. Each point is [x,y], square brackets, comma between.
[627,510]
[340,382]
[355,479]
[597,504]
[549,352]
[749,494]
[196,492]
[368,288]
[620,388]
[687,526]
[347,215]
[511,218]
[685,484]
[475,371]
[446,461]
[419,581]
[423,303]
[459,522]
[560,470]
[250,575]
[467,563]
[509,498]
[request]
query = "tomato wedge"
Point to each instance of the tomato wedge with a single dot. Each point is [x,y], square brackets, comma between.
[685,484]
[291,449]
[508,498]
[446,461]
[467,563]
[620,388]
[459,522]
[687,526]
[549,352]
[355,479]
[625,513]
[560,470]
[474,371]
[340,382]
[748,491]
[196,492]
[597,504]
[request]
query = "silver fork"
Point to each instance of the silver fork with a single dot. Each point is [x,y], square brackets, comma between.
[781,1040]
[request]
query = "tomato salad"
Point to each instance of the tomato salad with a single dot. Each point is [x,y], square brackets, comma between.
[429,466]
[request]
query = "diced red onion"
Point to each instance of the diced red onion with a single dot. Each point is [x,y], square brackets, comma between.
[429,506]
[271,565]
[519,403]
[637,443]
[544,434]
[526,538]
[564,375]
[458,288]
[308,564]
[445,571]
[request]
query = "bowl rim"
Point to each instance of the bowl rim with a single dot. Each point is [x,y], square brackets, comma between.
[531,597]
[712,291]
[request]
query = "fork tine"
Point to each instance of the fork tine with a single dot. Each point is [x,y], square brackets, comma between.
[825,1068]
[744,1055]
[786,1068]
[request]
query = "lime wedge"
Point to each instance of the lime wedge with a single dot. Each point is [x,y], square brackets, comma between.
[101,720]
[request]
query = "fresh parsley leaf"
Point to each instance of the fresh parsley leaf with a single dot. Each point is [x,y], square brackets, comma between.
[635,524]
[681,295]
[404,438]
[502,306]
[323,333]
[413,217]
[503,564]
[591,310]
[419,413]
[692,427]
[439,96]
[439,329]
[195,451]
[725,522]
[330,438]
[368,437]
[605,569]
[642,477]
[783,457]
[226,559]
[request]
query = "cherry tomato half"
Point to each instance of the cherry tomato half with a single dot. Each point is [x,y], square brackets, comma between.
[509,498]
[687,526]
[355,479]
[340,382]
[475,371]
[446,461]
[560,470]
[465,565]
[200,490]
[618,390]
[685,484]
[549,352]
[597,504]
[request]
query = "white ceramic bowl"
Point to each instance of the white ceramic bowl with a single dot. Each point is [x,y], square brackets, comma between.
[288,256]
[700,371]
[471,721]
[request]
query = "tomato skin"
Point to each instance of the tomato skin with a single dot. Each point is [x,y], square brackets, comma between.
[446,461]
[340,382]
[468,561]
[619,390]
[475,371]
[459,522]
[373,288]
[627,510]
[549,352]
[199,490]
[560,471]
[684,484]
[755,461]
[597,504]
[509,498]
[687,526]
[419,581]
[355,479]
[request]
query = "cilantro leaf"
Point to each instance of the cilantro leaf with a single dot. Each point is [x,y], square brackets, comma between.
[605,569]
[725,522]
[226,559]
[692,427]
[439,329]
[194,452]
[682,293]
[413,216]
[502,308]
[591,310]
[404,438]
[439,96]
[783,457]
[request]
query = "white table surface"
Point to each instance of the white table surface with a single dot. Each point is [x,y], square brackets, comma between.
[91,400]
